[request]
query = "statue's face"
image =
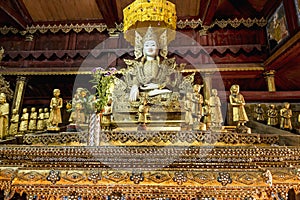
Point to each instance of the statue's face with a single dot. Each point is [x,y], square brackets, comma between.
[214,92]
[150,48]
[2,100]
[235,89]
[56,93]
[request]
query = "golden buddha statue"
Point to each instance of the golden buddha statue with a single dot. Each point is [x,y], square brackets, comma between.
[150,74]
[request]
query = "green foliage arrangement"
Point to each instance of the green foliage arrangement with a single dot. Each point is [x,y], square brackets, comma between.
[102,81]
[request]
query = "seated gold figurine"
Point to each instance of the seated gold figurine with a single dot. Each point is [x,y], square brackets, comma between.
[149,74]
[154,76]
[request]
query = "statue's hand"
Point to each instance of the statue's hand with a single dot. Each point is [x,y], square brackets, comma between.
[134,92]
[149,86]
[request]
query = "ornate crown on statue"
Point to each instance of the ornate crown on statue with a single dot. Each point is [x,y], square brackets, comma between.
[141,14]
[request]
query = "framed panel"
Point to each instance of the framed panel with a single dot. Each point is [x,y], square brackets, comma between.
[277,29]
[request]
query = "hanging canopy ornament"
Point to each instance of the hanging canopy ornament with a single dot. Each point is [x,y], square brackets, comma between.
[159,14]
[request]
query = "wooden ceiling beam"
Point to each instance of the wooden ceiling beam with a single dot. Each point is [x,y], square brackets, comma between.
[269,8]
[109,12]
[20,6]
[207,11]
[13,14]
[244,7]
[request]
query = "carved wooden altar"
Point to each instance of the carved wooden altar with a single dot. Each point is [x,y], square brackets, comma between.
[138,172]
[163,164]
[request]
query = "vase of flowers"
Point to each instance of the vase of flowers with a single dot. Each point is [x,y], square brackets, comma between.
[102,82]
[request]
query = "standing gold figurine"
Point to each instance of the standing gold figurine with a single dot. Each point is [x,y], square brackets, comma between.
[4,112]
[188,107]
[197,100]
[55,114]
[237,102]
[46,118]
[24,122]
[143,115]
[238,108]
[259,111]
[207,114]
[272,116]
[14,123]
[32,120]
[286,117]
[40,120]
[216,113]
[77,115]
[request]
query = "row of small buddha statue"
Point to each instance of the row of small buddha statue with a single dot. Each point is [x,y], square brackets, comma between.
[29,122]
[283,116]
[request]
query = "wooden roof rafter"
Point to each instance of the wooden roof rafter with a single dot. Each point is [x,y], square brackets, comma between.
[269,7]
[109,12]
[20,6]
[244,7]
[208,10]
[18,18]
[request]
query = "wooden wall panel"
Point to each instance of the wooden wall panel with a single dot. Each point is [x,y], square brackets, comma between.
[89,41]
[58,41]
[13,43]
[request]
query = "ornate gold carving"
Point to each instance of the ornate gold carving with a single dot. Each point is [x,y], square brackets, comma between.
[54,176]
[247,178]
[193,23]
[7,173]
[30,176]
[183,184]
[116,176]
[56,138]
[73,176]
[159,177]
[235,23]
[26,73]
[193,137]
[66,28]
[162,12]
[94,176]
[156,138]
